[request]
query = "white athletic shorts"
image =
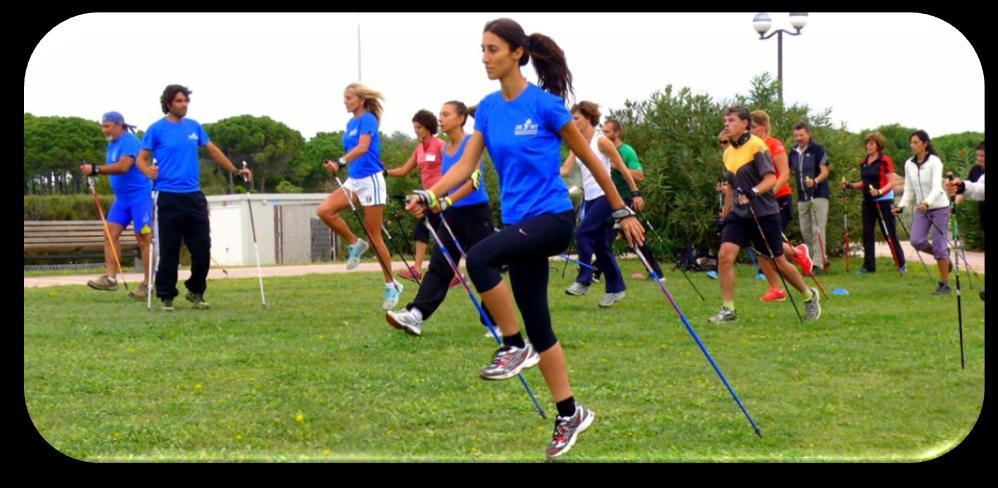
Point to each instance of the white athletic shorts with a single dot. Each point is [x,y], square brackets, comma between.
[370,190]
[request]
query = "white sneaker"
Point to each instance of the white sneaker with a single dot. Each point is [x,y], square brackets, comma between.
[610,298]
[392,293]
[406,320]
[577,289]
[356,250]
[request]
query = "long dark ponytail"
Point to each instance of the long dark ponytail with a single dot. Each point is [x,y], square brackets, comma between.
[549,59]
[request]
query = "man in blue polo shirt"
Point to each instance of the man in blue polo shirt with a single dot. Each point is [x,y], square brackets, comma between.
[182,210]
[132,201]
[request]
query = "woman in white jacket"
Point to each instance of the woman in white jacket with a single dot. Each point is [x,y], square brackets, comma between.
[923,184]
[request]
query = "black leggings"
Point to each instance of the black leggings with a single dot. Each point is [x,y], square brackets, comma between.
[470,225]
[525,248]
[871,227]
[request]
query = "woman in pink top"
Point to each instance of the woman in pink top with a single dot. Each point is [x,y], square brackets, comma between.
[427,155]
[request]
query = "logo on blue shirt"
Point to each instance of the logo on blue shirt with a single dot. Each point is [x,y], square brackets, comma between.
[352,133]
[192,136]
[528,128]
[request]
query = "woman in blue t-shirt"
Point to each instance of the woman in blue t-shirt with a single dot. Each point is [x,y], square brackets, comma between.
[365,185]
[468,215]
[523,125]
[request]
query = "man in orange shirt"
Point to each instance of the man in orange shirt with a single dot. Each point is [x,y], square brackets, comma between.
[784,198]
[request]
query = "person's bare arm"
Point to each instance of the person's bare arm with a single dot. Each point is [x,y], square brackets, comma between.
[151,172]
[569,163]
[223,161]
[403,170]
[631,228]
[119,167]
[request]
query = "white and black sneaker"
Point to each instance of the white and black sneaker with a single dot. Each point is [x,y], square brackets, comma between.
[567,429]
[407,320]
[509,361]
[724,316]
[811,307]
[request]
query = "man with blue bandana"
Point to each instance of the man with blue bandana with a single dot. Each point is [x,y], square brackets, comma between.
[132,199]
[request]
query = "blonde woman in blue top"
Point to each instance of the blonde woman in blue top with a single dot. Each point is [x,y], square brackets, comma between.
[365,186]
[523,126]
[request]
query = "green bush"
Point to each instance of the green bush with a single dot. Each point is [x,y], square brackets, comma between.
[287,187]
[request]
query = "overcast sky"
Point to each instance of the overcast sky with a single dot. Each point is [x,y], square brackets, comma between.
[870,69]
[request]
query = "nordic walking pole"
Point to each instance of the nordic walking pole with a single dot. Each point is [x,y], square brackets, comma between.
[669,248]
[481,311]
[772,258]
[917,252]
[107,231]
[689,328]
[887,236]
[405,237]
[821,240]
[576,261]
[812,276]
[959,302]
[958,245]
[256,248]
[349,196]
[398,251]
[151,287]
[226,273]
[845,221]
[578,220]
[755,264]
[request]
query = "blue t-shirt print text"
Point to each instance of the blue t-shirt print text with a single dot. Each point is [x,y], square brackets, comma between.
[522,137]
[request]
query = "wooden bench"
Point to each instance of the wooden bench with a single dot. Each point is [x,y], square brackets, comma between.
[43,238]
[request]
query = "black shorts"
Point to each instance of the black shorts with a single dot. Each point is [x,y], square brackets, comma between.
[419,233]
[743,232]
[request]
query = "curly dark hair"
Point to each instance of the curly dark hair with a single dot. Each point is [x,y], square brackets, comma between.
[170,92]
[426,119]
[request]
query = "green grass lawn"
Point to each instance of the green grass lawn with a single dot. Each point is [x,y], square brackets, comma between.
[320,376]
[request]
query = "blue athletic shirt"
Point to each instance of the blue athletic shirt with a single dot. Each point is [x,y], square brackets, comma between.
[475,197]
[175,147]
[522,138]
[133,181]
[370,162]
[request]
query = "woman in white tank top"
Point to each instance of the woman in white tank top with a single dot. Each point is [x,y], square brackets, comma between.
[593,234]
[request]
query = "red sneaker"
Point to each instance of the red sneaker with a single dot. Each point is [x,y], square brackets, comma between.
[803,259]
[404,273]
[774,295]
